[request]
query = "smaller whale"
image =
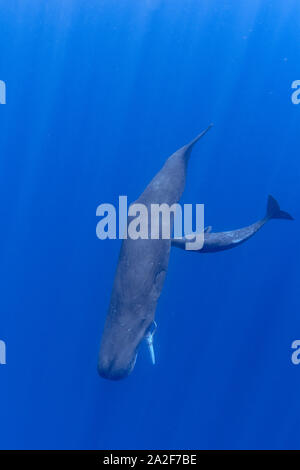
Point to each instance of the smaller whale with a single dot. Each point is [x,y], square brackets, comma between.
[220,241]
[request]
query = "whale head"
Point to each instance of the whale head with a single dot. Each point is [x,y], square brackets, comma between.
[118,350]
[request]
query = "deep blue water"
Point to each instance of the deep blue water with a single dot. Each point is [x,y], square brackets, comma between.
[99,93]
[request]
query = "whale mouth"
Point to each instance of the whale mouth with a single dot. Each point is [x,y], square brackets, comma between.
[114,370]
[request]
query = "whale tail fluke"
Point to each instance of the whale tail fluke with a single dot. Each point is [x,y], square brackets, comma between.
[274,211]
[193,142]
[187,149]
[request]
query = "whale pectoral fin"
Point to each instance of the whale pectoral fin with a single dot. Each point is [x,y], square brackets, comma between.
[158,283]
[181,242]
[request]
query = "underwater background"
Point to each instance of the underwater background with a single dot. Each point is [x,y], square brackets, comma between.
[99,93]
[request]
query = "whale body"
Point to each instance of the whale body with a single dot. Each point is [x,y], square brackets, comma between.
[140,275]
[220,241]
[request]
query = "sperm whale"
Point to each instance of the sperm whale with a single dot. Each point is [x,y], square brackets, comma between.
[220,241]
[140,275]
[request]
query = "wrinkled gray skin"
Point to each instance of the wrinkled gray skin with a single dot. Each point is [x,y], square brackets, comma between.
[140,275]
[220,241]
